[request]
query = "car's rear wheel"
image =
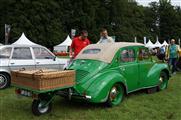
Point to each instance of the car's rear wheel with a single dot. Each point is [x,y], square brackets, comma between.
[163,81]
[4,80]
[116,95]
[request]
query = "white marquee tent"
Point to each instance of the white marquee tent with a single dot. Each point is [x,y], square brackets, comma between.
[165,43]
[63,47]
[149,45]
[157,44]
[23,40]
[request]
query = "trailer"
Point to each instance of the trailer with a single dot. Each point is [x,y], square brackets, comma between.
[42,86]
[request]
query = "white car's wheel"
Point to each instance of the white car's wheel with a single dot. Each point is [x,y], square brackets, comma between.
[4,80]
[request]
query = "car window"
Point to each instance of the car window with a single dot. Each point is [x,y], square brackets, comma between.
[127,55]
[5,53]
[42,53]
[91,51]
[22,53]
[143,54]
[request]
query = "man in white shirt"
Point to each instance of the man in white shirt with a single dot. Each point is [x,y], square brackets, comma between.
[104,37]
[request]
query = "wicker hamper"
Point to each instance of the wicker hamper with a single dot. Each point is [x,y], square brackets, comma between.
[43,79]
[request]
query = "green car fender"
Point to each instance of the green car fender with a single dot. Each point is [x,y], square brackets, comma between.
[154,74]
[103,82]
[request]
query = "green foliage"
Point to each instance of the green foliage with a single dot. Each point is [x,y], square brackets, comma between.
[48,22]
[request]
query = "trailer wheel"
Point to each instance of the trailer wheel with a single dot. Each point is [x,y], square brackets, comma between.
[39,108]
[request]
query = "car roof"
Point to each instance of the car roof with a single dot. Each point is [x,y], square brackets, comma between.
[23,45]
[107,52]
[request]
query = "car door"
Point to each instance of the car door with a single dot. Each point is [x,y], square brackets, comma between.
[145,64]
[5,54]
[45,59]
[21,58]
[129,67]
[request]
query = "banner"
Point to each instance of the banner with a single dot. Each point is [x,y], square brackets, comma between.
[7,33]
[135,39]
[73,32]
[144,38]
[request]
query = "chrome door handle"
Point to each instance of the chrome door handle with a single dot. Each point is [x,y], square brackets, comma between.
[123,69]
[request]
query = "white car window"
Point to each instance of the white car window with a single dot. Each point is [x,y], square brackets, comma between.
[22,53]
[42,53]
[5,53]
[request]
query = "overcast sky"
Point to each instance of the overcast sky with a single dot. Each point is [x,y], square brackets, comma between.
[145,2]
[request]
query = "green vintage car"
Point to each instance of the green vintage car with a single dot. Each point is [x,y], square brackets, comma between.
[104,74]
[107,72]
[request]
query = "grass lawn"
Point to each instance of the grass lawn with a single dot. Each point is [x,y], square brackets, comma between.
[136,106]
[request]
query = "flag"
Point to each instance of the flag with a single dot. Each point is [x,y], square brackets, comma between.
[135,39]
[144,38]
[73,32]
[7,33]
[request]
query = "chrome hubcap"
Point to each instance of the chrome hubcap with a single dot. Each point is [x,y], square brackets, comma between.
[2,81]
[42,109]
[161,79]
[113,93]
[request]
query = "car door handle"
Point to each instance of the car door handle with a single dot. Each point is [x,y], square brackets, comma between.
[37,62]
[123,69]
[12,63]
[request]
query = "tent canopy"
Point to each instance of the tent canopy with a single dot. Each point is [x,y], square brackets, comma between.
[67,42]
[165,43]
[23,40]
[149,44]
[64,45]
[157,44]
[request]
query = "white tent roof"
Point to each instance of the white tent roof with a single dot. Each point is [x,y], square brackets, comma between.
[157,44]
[164,43]
[23,40]
[67,42]
[149,44]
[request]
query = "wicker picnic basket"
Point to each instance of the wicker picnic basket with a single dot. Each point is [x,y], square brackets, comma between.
[43,79]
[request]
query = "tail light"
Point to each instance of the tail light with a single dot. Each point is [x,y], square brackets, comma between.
[17,91]
[23,92]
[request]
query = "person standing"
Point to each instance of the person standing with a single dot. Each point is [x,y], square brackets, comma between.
[172,55]
[104,37]
[161,53]
[78,43]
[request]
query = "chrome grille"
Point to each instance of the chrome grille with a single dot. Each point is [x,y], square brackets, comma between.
[80,74]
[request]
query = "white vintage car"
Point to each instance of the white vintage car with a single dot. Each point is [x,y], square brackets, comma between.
[15,57]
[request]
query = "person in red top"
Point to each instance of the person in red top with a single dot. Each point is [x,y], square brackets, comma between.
[79,43]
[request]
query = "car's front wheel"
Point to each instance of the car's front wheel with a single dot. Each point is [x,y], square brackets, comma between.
[163,81]
[116,95]
[4,80]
